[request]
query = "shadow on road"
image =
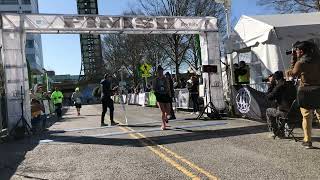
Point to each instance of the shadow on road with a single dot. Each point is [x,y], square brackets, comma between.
[169,139]
[12,152]
[11,156]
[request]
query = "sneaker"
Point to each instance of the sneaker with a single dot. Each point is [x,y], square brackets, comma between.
[103,124]
[113,123]
[163,128]
[197,113]
[307,145]
[272,135]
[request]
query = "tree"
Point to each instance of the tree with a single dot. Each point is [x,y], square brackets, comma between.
[177,46]
[290,6]
[126,51]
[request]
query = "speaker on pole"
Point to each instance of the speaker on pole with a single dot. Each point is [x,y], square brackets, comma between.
[210,68]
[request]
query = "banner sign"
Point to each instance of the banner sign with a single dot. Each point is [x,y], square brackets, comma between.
[44,23]
[183,98]
[250,103]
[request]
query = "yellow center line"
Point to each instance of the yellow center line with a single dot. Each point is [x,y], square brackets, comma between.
[192,165]
[163,156]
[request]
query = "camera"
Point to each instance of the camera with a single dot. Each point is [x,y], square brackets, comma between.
[265,80]
[289,52]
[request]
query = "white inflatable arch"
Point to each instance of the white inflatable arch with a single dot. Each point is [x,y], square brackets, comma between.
[14,27]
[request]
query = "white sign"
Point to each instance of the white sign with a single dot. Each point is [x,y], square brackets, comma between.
[43,23]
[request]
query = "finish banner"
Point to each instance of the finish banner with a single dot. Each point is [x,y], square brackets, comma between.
[44,23]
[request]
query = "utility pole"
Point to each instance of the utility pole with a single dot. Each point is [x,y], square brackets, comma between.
[227,8]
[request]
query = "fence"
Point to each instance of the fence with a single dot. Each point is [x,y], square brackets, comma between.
[182,99]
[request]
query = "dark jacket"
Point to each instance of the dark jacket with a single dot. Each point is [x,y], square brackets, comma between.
[284,93]
[194,89]
[106,89]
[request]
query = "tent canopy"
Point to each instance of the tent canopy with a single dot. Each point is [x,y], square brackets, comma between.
[272,28]
[270,36]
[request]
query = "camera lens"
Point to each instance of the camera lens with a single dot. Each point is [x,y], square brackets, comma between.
[288,52]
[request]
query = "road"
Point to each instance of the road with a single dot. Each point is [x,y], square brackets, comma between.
[76,147]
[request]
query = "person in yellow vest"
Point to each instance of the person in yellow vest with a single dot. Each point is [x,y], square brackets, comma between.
[243,73]
[57,98]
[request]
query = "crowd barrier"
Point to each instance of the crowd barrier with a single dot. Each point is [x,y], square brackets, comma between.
[182,99]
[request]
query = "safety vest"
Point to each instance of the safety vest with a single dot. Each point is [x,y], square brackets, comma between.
[57,97]
[246,77]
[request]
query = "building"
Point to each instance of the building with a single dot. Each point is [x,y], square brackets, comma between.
[92,68]
[33,43]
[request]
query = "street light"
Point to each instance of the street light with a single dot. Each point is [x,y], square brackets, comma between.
[227,9]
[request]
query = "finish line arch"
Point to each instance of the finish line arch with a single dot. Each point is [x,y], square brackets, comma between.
[14,27]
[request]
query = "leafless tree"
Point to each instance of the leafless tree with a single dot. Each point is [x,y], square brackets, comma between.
[181,47]
[290,6]
[124,51]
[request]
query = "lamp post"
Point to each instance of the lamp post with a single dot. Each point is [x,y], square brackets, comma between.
[227,8]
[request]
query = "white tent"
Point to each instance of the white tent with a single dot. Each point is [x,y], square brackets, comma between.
[270,36]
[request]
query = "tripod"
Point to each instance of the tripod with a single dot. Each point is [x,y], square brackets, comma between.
[214,113]
[25,124]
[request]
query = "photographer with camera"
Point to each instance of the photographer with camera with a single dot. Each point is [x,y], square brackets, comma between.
[306,66]
[283,93]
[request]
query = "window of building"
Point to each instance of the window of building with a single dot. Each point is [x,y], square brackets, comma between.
[30,44]
[9,2]
[26,2]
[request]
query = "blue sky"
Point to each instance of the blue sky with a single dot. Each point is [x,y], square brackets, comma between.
[62,53]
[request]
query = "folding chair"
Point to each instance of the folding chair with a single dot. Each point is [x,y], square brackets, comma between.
[288,123]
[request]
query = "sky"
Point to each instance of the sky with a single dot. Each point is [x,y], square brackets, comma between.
[62,53]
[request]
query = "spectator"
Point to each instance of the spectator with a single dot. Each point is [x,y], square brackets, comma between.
[39,96]
[183,83]
[194,92]
[36,111]
[168,76]
[243,73]
[175,83]
[283,93]
[307,68]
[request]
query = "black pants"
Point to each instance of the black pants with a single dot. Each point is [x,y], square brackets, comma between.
[107,103]
[273,126]
[58,109]
[171,109]
[194,98]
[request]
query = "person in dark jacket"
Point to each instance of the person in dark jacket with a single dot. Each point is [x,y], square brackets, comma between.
[107,102]
[168,76]
[194,92]
[283,93]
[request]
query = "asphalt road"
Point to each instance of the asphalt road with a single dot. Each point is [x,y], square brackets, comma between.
[78,148]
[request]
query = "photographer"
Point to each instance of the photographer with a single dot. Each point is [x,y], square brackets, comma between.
[306,66]
[283,94]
